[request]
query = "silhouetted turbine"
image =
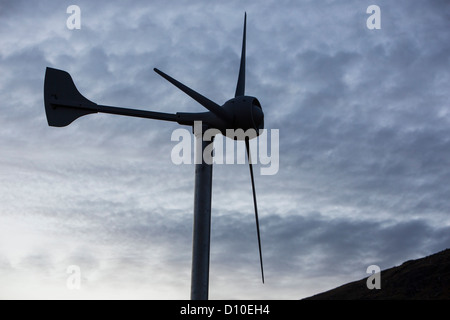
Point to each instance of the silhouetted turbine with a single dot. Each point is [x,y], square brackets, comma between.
[64,103]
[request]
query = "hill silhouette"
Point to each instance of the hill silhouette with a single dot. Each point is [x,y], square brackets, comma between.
[427,278]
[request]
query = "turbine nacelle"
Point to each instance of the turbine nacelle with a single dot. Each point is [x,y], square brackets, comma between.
[245,113]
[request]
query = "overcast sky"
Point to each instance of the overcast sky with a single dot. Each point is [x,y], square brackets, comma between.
[364,136]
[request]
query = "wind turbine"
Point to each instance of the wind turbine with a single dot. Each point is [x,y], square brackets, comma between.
[64,103]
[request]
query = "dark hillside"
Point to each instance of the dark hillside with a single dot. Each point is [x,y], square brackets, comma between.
[425,279]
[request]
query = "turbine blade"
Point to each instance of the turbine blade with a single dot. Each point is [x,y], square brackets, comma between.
[208,104]
[240,87]
[247,146]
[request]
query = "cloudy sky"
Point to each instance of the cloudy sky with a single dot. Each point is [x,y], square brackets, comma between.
[364,146]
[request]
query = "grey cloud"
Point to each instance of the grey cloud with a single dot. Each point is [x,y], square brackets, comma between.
[342,245]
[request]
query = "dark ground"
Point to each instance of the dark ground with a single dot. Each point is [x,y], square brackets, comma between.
[422,279]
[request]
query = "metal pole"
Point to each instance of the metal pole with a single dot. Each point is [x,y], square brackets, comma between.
[202,222]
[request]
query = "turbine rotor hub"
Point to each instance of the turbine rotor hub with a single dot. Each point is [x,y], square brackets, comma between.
[246,113]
